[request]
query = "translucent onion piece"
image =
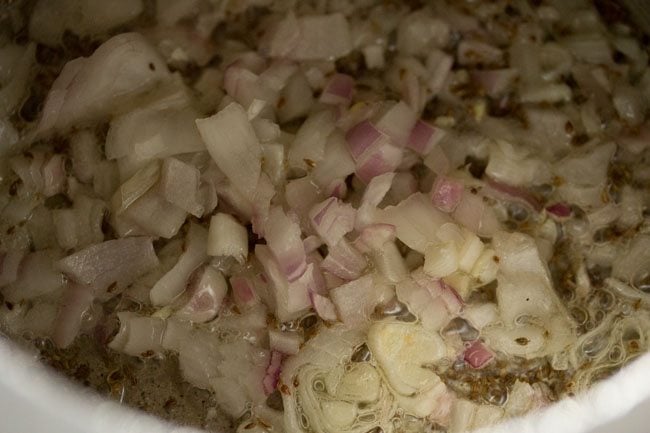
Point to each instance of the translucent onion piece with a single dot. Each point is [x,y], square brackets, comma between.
[112,265]
[356,300]
[174,282]
[313,37]
[227,237]
[232,143]
[113,77]
[206,297]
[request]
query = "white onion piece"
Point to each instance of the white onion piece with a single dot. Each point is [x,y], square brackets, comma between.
[246,87]
[301,195]
[426,304]
[437,161]
[232,143]
[441,260]
[418,31]
[397,122]
[29,169]
[154,132]
[135,187]
[586,166]
[206,297]
[174,282]
[308,147]
[337,164]
[439,64]
[373,56]
[179,185]
[324,308]
[37,276]
[473,213]
[85,153]
[118,72]
[332,219]
[290,300]
[312,37]
[181,45]
[82,17]
[285,342]
[338,90]
[244,291]
[446,193]
[54,177]
[344,261]
[297,98]
[75,302]
[356,300]
[138,335]
[81,225]
[112,265]
[374,236]
[283,237]
[9,266]
[389,262]
[227,238]
[363,136]
[416,221]
[13,92]
[374,193]
[424,137]
[160,217]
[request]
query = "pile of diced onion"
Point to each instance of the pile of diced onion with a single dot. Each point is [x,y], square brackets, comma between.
[318,216]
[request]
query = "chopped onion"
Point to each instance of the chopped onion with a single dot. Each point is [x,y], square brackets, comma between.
[312,37]
[332,220]
[110,266]
[232,143]
[75,302]
[138,335]
[119,71]
[338,90]
[424,137]
[179,185]
[283,236]
[446,193]
[357,299]
[227,238]
[324,308]
[174,282]
[308,147]
[344,261]
[416,221]
[397,122]
[290,300]
[441,260]
[9,266]
[207,293]
[285,342]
